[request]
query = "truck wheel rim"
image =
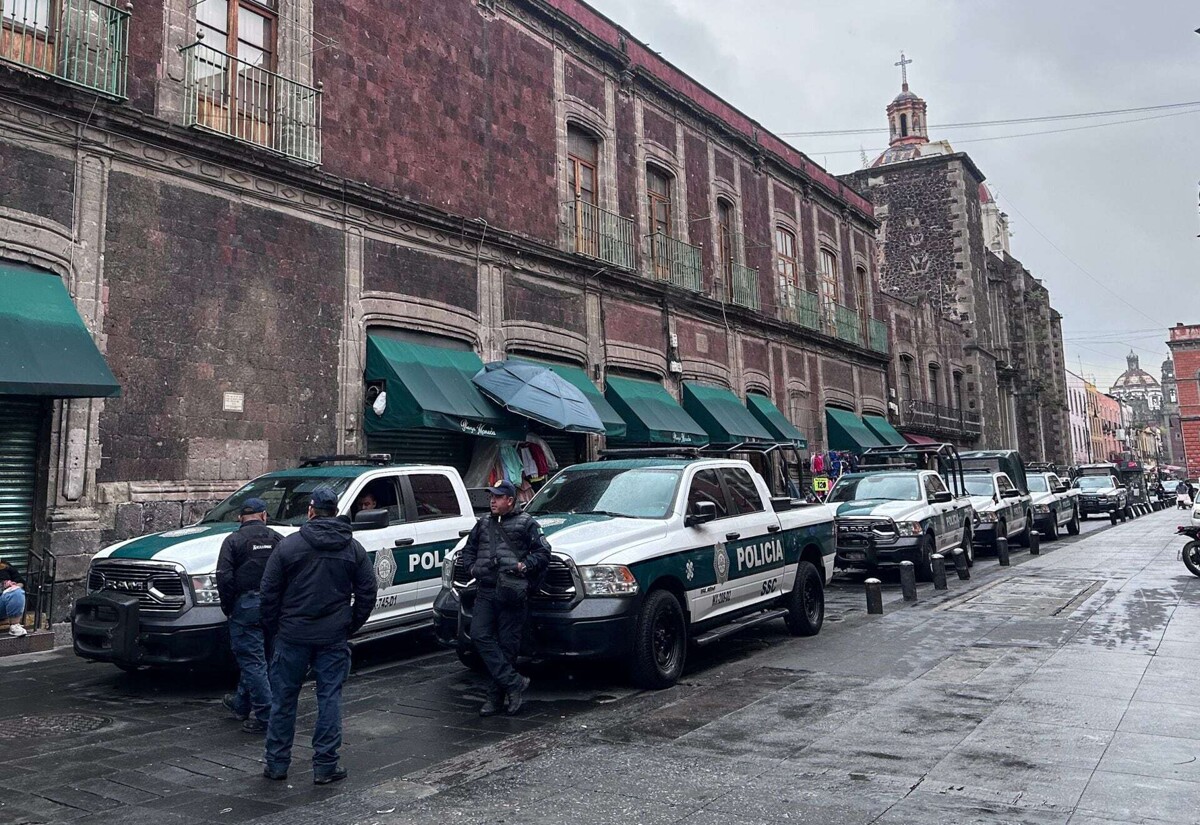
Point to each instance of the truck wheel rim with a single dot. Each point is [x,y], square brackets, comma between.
[812,599]
[666,642]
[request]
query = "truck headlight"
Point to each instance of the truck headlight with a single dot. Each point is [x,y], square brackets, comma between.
[1042,509]
[989,516]
[909,528]
[448,571]
[608,580]
[206,589]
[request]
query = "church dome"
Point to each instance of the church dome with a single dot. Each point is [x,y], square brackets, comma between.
[1134,378]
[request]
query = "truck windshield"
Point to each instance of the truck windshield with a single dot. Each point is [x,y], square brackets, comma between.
[287,498]
[980,486]
[889,486]
[637,493]
[1037,484]
[1094,482]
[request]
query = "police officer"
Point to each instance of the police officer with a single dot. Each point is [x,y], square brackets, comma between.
[240,568]
[318,589]
[506,554]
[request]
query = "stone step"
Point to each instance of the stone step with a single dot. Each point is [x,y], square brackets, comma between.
[35,642]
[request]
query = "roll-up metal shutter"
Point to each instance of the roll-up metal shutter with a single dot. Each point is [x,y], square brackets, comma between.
[20,423]
[567,448]
[424,447]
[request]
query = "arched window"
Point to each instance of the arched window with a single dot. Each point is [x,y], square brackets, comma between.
[658,195]
[787,265]
[903,125]
[861,286]
[583,159]
[934,378]
[906,364]
[827,283]
[726,241]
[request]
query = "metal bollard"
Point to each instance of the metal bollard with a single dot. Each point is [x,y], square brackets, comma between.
[874,596]
[908,581]
[939,571]
[1002,551]
[1035,543]
[960,563]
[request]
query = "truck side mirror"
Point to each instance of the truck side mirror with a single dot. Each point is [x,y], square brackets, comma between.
[701,512]
[1062,488]
[370,520]
[944,497]
[1012,494]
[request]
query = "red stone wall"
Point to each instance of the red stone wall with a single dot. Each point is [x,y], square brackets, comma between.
[1185,352]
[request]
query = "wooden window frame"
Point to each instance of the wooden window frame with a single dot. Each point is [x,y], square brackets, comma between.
[654,198]
[785,263]
[576,163]
[726,240]
[231,28]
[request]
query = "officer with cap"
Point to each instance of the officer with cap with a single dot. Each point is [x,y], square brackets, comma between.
[240,568]
[503,545]
[318,589]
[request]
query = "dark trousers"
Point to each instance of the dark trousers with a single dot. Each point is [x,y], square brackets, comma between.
[253,697]
[289,663]
[496,630]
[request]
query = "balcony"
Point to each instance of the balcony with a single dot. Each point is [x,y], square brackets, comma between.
[936,420]
[877,336]
[800,307]
[847,324]
[743,285]
[231,97]
[598,233]
[676,262]
[81,42]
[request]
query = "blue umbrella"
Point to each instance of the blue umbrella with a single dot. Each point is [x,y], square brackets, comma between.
[539,393]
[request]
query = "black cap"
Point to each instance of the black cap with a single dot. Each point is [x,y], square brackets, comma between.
[324,498]
[253,505]
[503,488]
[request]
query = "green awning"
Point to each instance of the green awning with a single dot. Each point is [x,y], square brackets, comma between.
[430,388]
[722,415]
[651,415]
[614,425]
[847,432]
[884,431]
[775,421]
[45,349]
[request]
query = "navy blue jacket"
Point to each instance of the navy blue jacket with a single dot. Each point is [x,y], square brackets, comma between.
[499,542]
[319,585]
[243,558]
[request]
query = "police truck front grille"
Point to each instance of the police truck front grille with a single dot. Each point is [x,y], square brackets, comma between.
[461,577]
[158,588]
[558,584]
[882,531]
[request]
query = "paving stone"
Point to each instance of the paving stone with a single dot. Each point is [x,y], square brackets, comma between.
[1127,798]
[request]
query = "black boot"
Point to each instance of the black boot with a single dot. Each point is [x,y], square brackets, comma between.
[516,696]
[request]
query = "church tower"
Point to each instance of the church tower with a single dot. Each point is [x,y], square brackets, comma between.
[906,113]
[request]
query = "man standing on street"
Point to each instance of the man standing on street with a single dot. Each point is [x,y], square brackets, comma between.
[240,568]
[318,589]
[506,554]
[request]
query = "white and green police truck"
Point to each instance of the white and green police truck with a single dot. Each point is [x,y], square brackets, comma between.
[651,554]
[152,601]
[899,507]
[1055,505]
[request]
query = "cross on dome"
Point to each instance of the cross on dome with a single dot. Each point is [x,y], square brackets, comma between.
[903,63]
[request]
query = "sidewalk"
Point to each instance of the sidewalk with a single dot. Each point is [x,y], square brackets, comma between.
[1059,690]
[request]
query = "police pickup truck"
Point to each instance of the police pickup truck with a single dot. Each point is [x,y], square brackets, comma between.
[1101,492]
[1055,505]
[152,601]
[1002,509]
[899,508]
[652,553]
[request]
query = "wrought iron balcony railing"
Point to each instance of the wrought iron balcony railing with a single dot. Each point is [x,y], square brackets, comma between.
[81,42]
[601,234]
[676,261]
[801,307]
[877,335]
[847,324]
[938,418]
[232,97]
[744,285]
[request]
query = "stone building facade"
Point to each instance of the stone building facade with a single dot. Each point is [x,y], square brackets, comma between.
[943,242]
[513,177]
[1172,431]
[1184,343]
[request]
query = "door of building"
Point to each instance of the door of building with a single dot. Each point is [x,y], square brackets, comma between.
[20,424]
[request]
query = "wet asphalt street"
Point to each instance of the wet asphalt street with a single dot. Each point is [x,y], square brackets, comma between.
[1057,690]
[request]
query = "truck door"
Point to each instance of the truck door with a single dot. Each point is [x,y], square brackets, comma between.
[386,549]
[440,517]
[1013,508]
[944,518]
[709,579]
[756,558]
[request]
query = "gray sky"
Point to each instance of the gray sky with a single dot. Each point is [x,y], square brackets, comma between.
[1107,217]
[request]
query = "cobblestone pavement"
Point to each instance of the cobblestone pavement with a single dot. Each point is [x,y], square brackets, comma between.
[1057,690]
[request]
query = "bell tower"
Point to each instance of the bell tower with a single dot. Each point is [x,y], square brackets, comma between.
[906,113]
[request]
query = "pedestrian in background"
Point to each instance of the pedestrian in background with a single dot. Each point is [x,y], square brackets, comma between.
[317,590]
[12,600]
[240,567]
[506,554]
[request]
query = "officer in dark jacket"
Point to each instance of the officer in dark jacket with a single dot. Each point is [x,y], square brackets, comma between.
[503,544]
[240,568]
[318,589]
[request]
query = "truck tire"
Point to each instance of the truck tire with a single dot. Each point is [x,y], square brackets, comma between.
[1073,524]
[806,603]
[1025,538]
[1191,557]
[924,565]
[968,547]
[660,642]
[1052,527]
